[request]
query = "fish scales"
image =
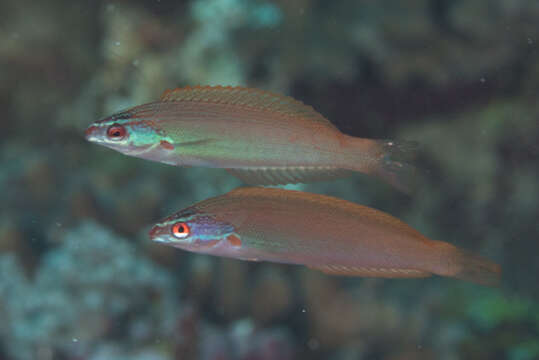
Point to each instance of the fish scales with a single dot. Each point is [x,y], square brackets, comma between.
[233,132]
[320,225]
[325,233]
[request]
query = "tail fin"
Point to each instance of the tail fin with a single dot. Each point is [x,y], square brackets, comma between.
[395,164]
[477,269]
[464,265]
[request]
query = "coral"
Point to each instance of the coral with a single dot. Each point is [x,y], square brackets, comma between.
[79,294]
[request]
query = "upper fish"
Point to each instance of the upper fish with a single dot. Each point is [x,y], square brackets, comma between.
[259,136]
[325,233]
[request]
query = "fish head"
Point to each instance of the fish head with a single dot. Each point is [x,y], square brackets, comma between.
[194,230]
[133,132]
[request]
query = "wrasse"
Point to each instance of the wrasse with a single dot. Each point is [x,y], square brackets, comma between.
[324,233]
[261,137]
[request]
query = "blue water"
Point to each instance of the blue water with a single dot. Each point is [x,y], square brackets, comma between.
[79,277]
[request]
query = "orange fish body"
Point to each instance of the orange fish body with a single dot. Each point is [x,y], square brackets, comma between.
[321,232]
[261,137]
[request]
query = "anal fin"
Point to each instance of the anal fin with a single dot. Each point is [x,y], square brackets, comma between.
[288,175]
[370,271]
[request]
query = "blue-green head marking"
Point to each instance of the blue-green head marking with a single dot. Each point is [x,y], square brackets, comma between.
[191,229]
[133,132]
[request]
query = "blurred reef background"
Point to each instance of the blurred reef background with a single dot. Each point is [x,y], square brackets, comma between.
[79,278]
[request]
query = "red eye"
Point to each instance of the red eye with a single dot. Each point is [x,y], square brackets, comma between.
[116,132]
[180,230]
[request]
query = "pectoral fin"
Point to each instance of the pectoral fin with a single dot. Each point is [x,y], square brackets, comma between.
[234,240]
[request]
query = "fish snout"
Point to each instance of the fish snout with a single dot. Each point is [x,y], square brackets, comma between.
[157,233]
[90,133]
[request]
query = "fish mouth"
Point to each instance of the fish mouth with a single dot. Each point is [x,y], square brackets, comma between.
[160,239]
[159,234]
[89,133]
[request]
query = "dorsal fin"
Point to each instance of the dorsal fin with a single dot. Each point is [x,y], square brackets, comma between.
[242,96]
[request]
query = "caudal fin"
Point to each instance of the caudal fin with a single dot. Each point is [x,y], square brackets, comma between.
[395,164]
[477,269]
[464,265]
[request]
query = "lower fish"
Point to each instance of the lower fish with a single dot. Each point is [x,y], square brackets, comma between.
[324,233]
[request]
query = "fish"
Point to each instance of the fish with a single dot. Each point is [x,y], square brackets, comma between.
[260,137]
[324,233]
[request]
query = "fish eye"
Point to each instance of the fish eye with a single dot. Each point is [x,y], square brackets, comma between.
[116,132]
[180,230]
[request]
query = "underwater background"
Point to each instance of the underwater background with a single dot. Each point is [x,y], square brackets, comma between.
[79,277]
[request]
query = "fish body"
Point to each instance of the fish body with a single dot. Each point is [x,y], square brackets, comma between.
[321,232]
[261,137]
